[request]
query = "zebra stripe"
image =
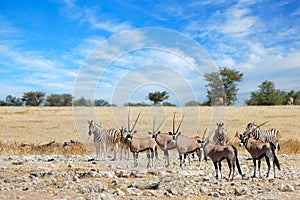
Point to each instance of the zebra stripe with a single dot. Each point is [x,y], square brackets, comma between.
[104,138]
[270,135]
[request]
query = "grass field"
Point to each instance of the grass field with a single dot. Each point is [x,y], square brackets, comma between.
[41,125]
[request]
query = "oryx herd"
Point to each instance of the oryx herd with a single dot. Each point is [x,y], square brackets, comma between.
[259,143]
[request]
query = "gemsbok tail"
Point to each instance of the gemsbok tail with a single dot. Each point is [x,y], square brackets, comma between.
[276,161]
[237,161]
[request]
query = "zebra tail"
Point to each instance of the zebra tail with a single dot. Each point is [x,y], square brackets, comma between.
[276,161]
[237,161]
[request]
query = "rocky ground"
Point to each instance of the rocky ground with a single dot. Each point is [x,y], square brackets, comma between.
[83,177]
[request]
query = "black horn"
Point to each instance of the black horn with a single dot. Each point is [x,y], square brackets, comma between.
[204,134]
[136,120]
[154,124]
[129,120]
[161,123]
[180,124]
[174,123]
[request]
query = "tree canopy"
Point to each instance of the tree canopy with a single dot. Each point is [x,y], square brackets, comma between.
[222,84]
[158,97]
[59,100]
[33,98]
[267,95]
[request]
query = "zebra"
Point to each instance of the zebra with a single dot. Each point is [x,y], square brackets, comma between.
[221,135]
[270,135]
[124,144]
[290,101]
[104,138]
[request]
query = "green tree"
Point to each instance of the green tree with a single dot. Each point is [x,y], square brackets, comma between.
[222,84]
[54,100]
[158,97]
[59,100]
[168,104]
[66,99]
[13,101]
[101,102]
[82,102]
[266,95]
[136,104]
[33,98]
[192,103]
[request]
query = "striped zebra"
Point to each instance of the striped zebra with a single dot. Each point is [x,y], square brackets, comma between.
[104,138]
[270,135]
[125,145]
[221,135]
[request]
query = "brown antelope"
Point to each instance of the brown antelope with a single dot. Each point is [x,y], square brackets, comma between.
[139,144]
[185,145]
[217,153]
[164,141]
[270,135]
[258,150]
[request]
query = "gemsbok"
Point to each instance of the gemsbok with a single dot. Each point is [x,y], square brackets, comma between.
[185,145]
[163,140]
[140,143]
[270,135]
[217,153]
[258,150]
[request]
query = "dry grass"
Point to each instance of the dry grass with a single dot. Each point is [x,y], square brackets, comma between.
[35,126]
[66,148]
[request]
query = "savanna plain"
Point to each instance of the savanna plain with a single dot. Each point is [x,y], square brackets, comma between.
[46,153]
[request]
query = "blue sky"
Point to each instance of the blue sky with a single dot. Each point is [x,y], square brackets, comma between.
[45,46]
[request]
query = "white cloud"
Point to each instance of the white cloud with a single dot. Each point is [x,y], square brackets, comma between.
[94,17]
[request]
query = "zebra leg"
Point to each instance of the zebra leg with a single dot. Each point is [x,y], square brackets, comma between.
[115,152]
[268,163]
[254,168]
[97,145]
[216,169]
[121,151]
